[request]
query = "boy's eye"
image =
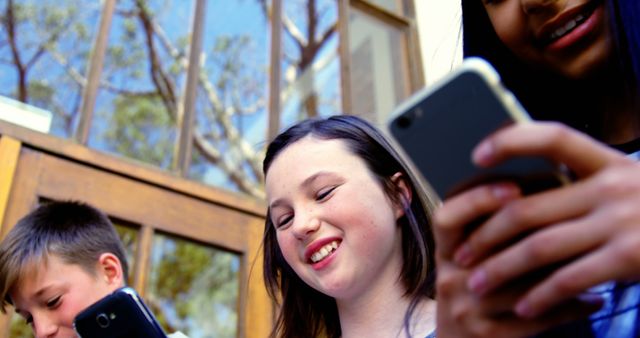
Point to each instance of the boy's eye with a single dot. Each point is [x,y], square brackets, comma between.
[323,194]
[52,303]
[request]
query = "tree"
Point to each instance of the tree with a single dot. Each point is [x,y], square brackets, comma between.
[47,45]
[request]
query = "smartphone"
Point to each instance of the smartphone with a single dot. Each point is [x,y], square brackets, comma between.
[438,127]
[121,314]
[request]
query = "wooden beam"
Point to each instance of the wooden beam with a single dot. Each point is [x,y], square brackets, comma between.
[143,252]
[90,91]
[344,55]
[381,13]
[186,118]
[127,167]
[259,314]
[9,154]
[275,73]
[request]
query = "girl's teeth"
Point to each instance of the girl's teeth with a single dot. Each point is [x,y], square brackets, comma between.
[324,252]
[568,27]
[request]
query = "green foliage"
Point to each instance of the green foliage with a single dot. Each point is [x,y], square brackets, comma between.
[142,129]
[19,328]
[196,287]
[41,92]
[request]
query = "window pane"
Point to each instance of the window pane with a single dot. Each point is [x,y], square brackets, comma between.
[193,288]
[310,65]
[19,327]
[379,67]
[231,107]
[129,237]
[137,103]
[52,41]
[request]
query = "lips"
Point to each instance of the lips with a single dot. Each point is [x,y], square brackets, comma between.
[321,249]
[566,22]
[324,252]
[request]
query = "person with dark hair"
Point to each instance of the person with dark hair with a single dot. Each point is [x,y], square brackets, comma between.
[56,261]
[564,262]
[348,248]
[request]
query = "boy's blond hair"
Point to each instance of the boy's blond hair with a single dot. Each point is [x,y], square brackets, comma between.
[75,232]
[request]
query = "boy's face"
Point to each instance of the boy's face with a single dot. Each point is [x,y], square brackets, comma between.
[53,292]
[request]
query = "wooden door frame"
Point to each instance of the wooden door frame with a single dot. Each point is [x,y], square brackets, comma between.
[43,166]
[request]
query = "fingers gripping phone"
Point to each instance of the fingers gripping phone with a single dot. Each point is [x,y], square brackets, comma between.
[121,314]
[438,128]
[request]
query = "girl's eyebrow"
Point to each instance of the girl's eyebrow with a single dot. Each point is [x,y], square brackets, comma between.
[305,184]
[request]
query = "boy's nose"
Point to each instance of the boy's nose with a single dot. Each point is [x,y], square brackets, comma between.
[43,327]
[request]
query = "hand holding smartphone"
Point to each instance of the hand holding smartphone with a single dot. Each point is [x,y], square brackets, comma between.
[121,314]
[438,128]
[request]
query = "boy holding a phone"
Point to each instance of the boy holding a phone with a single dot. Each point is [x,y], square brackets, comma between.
[57,261]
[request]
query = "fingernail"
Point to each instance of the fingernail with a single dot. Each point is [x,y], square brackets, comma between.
[504,191]
[478,282]
[483,153]
[463,256]
[589,298]
[523,309]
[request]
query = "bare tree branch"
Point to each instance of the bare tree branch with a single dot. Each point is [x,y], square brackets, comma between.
[10,26]
[162,81]
[222,117]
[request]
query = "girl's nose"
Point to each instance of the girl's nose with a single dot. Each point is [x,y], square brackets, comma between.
[535,6]
[306,227]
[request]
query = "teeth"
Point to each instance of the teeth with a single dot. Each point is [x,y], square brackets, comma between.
[324,252]
[558,33]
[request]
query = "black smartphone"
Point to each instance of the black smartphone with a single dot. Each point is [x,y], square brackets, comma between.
[121,314]
[438,127]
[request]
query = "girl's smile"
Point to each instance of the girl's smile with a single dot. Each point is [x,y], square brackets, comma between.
[568,37]
[335,225]
[571,26]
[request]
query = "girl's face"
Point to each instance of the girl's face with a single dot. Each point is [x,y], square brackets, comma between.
[569,37]
[335,225]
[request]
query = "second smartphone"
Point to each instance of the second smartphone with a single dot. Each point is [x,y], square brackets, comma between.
[438,128]
[121,314]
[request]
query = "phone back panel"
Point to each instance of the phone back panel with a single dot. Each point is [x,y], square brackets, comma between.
[121,314]
[438,129]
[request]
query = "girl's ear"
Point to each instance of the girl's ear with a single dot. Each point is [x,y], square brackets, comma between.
[110,268]
[404,194]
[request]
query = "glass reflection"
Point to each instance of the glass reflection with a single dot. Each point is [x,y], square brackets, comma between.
[231,106]
[193,288]
[379,67]
[129,237]
[142,78]
[310,65]
[43,62]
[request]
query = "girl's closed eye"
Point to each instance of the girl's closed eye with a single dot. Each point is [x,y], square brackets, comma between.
[283,220]
[324,194]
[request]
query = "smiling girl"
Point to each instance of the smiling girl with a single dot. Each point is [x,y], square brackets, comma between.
[348,246]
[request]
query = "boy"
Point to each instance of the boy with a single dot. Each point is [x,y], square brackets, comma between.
[58,260]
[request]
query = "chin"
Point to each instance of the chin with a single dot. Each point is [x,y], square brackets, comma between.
[587,64]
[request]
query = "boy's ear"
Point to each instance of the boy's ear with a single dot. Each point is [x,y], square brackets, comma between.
[110,268]
[404,193]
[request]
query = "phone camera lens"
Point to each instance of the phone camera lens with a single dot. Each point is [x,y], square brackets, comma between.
[103,320]
[404,122]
